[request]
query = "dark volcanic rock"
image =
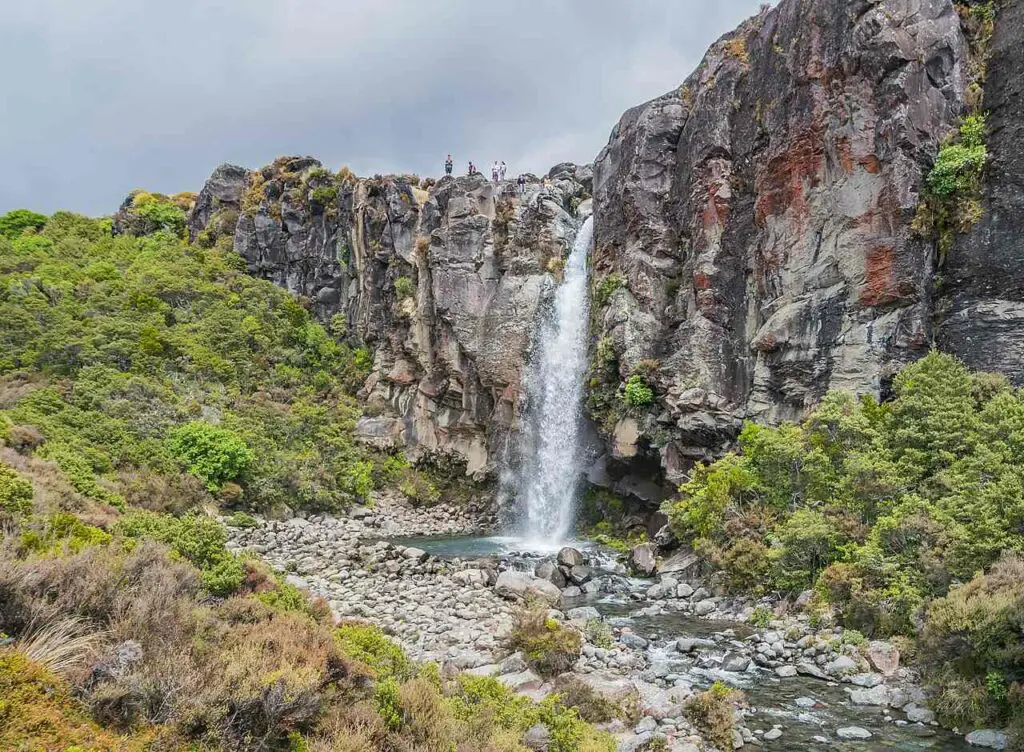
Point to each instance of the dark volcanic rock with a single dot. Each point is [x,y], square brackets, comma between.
[982,284]
[219,203]
[760,215]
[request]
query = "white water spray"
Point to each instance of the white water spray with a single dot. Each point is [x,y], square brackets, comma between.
[549,473]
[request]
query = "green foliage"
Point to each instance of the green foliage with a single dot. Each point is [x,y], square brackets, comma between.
[212,454]
[61,533]
[713,713]
[387,702]
[636,392]
[159,212]
[950,203]
[368,645]
[197,539]
[404,288]
[549,647]
[761,617]
[604,289]
[242,520]
[972,647]
[14,223]
[15,493]
[880,506]
[131,338]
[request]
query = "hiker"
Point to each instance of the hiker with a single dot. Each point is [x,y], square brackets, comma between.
[494,171]
[547,182]
[501,170]
[472,169]
[522,185]
[448,165]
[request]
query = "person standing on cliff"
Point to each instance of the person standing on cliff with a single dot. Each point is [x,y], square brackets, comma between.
[472,169]
[448,165]
[522,185]
[494,171]
[501,170]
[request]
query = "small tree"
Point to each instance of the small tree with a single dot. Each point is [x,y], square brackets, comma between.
[213,454]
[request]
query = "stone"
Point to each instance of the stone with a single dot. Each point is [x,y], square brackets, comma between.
[684,590]
[772,734]
[917,714]
[988,738]
[735,662]
[646,723]
[689,644]
[884,657]
[415,554]
[785,672]
[809,669]
[842,666]
[805,702]
[519,585]
[873,696]
[703,608]
[570,557]
[633,641]
[537,738]
[522,680]
[853,732]
[513,664]
[680,562]
[582,614]
[580,574]
[643,558]
[866,680]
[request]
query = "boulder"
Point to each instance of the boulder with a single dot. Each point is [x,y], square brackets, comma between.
[537,738]
[917,714]
[689,644]
[853,732]
[870,696]
[644,558]
[548,571]
[842,666]
[519,585]
[988,738]
[735,663]
[809,669]
[570,557]
[884,657]
[583,614]
[681,562]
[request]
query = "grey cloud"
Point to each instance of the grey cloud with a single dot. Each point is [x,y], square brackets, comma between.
[103,96]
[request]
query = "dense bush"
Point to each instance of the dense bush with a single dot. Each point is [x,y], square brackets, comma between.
[14,223]
[713,712]
[115,343]
[549,647]
[636,392]
[15,493]
[972,645]
[881,506]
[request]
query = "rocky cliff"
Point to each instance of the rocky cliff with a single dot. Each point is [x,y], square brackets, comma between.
[754,225]
[440,281]
[753,248]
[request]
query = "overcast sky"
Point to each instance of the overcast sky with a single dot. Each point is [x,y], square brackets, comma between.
[102,96]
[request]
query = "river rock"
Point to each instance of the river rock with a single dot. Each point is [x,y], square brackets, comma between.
[917,714]
[735,663]
[842,666]
[519,585]
[772,734]
[523,680]
[866,680]
[583,614]
[873,696]
[785,672]
[684,590]
[546,570]
[689,644]
[703,608]
[581,574]
[988,738]
[633,641]
[853,732]
[643,558]
[884,657]
[570,557]
[415,554]
[680,562]
[805,702]
[809,669]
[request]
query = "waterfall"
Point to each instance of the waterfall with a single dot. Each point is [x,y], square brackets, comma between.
[550,469]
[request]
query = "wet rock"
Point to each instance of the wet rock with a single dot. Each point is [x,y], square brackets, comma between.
[703,608]
[842,666]
[809,669]
[866,680]
[689,644]
[772,734]
[684,590]
[917,714]
[583,614]
[785,672]
[643,558]
[805,702]
[570,557]
[633,641]
[853,732]
[519,585]
[987,738]
[874,696]
[581,574]
[735,662]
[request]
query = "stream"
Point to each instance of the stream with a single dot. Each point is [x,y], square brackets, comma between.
[773,701]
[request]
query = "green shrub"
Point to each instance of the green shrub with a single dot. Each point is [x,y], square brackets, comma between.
[14,223]
[404,288]
[606,287]
[213,454]
[549,648]
[242,520]
[196,538]
[61,533]
[761,617]
[15,493]
[713,713]
[637,392]
[367,644]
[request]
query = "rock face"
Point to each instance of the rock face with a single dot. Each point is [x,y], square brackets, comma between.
[982,303]
[758,217]
[441,283]
[753,246]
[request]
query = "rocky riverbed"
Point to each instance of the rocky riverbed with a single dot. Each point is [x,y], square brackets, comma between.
[652,642]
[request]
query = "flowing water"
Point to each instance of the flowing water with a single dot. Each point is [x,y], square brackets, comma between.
[550,470]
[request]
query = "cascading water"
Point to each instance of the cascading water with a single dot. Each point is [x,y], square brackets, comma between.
[549,473]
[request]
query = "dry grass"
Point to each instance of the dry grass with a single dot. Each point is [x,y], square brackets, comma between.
[61,646]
